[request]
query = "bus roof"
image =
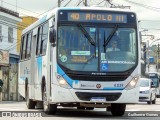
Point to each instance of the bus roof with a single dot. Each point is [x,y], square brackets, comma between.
[50,14]
[94,8]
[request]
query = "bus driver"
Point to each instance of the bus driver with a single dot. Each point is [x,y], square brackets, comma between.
[113,47]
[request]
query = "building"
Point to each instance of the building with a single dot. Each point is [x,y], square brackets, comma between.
[11,26]
[9,56]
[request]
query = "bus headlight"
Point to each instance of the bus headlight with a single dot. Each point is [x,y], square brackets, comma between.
[132,83]
[62,82]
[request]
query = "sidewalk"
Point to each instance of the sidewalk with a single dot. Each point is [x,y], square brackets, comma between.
[11,102]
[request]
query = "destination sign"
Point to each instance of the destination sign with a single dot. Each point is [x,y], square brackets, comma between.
[97,17]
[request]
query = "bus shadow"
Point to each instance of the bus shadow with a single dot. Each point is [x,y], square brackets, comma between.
[64,112]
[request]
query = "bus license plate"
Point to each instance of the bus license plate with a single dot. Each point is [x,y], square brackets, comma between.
[98,99]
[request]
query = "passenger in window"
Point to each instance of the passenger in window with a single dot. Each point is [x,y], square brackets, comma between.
[113,47]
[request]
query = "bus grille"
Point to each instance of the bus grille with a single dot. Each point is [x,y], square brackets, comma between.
[86,96]
[96,78]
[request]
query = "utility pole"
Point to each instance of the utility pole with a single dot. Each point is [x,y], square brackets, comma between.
[85,2]
[59,3]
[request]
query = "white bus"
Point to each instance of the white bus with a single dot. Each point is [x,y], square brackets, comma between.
[64,60]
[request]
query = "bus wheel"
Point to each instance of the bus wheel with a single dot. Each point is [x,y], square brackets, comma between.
[150,102]
[118,109]
[30,103]
[154,101]
[48,108]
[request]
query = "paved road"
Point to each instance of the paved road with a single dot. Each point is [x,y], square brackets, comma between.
[74,114]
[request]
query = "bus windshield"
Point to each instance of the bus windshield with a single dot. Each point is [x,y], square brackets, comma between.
[89,48]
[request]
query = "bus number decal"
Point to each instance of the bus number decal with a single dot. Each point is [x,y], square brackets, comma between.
[75,16]
[118,85]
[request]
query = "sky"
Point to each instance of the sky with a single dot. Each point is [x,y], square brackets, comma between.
[148,11]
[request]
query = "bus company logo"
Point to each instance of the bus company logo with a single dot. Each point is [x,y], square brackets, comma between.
[98,86]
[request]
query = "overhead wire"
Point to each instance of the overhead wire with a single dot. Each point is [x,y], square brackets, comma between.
[109,2]
[67,3]
[47,11]
[79,3]
[20,7]
[13,26]
[14,44]
[20,27]
[145,6]
[101,2]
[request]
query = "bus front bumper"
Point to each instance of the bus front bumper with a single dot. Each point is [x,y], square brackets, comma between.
[62,95]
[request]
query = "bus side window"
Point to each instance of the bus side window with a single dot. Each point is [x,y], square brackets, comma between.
[21,50]
[24,48]
[29,40]
[39,38]
[44,38]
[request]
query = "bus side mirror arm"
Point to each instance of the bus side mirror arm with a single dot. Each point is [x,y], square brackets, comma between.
[52,36]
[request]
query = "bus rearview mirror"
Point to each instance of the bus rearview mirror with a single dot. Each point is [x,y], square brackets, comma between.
[52,36]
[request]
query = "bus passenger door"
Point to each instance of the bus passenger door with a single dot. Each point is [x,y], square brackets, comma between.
[33,67]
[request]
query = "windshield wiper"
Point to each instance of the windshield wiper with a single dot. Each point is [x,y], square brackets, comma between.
[88,61]
[86,34]
[90,58]
[110,36]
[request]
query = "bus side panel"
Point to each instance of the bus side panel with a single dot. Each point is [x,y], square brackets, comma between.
[33,63]
[24,74]
[41,73]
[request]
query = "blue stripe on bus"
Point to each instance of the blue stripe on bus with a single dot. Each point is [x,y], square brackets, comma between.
[112,88]
[39,64]
[43,19]
[62,73]
[70,81]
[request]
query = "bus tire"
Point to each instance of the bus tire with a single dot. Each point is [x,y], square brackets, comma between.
[29,102]
[118,109]
[47,107]
[50,109]
[154,101]
[150,102]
